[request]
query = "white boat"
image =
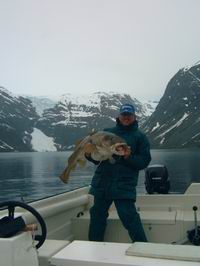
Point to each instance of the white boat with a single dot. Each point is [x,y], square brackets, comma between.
[166,220]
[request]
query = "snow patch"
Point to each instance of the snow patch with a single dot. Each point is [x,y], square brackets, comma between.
[194,76]
[148,106]
[195,135]
[5,145]
[175,125]
[162,141]
[156,126]
[41,142]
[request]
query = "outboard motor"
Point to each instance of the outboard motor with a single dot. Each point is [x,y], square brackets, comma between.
[156,179]
[194,234]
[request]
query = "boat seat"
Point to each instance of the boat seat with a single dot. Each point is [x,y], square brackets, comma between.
[48,249]
[164,251]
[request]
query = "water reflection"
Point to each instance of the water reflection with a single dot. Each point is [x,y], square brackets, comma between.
[35,175]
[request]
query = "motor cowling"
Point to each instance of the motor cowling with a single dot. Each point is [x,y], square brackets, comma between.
[194,234]
[156,179]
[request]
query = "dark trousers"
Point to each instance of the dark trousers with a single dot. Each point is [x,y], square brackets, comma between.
[127,214]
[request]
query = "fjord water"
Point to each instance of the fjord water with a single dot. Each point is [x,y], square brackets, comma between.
[30,176]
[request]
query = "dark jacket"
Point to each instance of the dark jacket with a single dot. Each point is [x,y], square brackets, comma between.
[118,180]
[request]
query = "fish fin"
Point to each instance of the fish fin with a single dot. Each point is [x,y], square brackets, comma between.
[73,167]
[78,141]
[82,162]
[93,132]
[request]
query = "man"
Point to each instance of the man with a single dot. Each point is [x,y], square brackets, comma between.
[117,182]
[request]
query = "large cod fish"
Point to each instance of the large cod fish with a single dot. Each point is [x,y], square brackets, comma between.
[102,146]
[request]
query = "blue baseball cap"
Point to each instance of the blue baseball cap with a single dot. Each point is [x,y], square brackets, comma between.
[127,109]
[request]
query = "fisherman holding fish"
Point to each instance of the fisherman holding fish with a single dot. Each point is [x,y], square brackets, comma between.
[116,178]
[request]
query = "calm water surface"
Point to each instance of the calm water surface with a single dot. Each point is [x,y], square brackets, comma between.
[35,175]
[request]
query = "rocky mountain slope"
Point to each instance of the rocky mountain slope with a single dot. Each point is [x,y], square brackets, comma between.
[176,120]
[28,124]
[75,116]
[41,103]
[17,118]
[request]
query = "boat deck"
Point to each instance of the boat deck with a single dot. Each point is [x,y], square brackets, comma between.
[166,220]
[84,253]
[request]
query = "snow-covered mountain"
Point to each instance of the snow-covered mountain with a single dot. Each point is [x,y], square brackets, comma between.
[75,116]
[41,103]
[176,120]
[172,123]
[17,118]
[148,107]
[42,124]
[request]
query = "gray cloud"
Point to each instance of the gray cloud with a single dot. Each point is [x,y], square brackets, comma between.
[55,47]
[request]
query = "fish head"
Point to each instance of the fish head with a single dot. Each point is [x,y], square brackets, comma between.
[110,139]
[118,147]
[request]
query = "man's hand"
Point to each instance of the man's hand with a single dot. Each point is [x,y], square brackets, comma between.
[124,151]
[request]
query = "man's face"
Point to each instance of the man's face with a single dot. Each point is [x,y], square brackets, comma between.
[127,119]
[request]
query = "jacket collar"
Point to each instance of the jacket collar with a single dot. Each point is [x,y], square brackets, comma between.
[133,126]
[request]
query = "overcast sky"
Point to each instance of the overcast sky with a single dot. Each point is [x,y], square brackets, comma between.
[50,47]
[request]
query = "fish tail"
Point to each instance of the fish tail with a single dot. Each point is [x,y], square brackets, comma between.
[65,175]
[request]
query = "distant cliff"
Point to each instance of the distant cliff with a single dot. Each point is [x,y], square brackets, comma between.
[17,119]
[176,120]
